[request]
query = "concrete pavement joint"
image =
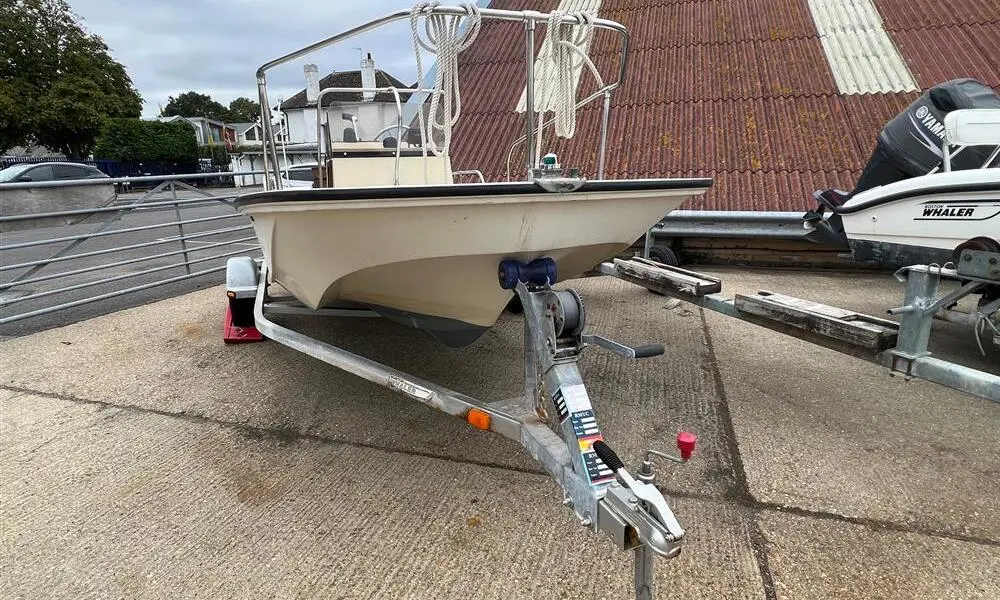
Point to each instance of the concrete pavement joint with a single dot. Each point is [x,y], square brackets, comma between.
[283,436]
[740,491]
[286,436]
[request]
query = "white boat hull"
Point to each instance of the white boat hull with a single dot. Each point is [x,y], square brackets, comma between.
[433,261]
[942,220]
[923,219]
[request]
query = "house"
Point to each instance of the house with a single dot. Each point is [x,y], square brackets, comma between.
[208,132]
[356,115]
[248,134]
[368,114]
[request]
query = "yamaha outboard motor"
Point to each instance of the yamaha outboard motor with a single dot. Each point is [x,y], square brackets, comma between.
[908,146]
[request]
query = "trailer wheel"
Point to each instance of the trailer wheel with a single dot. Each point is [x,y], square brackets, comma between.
[664,255]
[980,243]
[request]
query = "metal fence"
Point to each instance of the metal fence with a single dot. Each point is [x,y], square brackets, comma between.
[172,234]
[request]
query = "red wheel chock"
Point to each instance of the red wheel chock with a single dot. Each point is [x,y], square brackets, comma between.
[239,335]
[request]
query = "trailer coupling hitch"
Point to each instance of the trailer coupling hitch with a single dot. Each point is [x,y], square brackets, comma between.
[641,507]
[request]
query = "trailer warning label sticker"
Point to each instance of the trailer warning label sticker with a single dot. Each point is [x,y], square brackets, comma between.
[597,471]
[584,424]
[571,399]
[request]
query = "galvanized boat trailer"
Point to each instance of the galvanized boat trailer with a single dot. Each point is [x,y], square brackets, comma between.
[902,347]
[602,493]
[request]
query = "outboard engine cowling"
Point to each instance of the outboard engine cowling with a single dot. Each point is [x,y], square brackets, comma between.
[910,144]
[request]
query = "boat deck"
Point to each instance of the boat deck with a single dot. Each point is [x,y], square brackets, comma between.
[142,457]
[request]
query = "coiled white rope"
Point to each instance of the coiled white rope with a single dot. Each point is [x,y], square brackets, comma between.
[566,41]
[444,38]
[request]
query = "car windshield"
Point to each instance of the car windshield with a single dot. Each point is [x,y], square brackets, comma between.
[303,173]
[13,172]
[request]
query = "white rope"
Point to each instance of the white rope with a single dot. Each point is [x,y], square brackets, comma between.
[564,41]
[444,38]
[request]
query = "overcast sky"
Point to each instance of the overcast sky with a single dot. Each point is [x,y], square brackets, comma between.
[215,46]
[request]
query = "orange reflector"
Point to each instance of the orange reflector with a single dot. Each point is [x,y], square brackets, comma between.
[231,294]
[478,419]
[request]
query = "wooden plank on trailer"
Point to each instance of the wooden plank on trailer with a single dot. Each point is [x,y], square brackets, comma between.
[820,320]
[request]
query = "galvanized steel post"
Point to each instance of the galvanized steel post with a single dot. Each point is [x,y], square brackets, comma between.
[529,92]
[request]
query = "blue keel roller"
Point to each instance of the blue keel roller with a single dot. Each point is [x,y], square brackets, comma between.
[538,272]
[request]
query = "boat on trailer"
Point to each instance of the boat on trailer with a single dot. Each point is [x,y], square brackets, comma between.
[388,229]
[385,230]
[462,250]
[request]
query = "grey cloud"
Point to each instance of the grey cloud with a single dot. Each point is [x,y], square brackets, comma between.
[215,46]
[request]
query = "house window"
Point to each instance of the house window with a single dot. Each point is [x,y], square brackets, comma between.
[251,135]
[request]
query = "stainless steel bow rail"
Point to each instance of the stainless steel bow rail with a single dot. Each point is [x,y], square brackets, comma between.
[529,18]
[597,487]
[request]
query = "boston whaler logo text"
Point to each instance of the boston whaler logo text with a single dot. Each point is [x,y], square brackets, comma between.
[944,211]
[930,122]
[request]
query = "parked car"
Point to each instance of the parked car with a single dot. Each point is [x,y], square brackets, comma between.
[298,176]
[49,171]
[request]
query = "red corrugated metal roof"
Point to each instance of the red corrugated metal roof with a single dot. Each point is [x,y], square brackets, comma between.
[942,53]
[733,70]
[868,113]
[987,37]
[914,14]
[673,24]
[738,90]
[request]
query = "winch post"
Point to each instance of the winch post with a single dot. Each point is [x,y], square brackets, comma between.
[555,353]
[604,496]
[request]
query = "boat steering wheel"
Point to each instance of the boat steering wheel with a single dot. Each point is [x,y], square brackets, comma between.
[401,128]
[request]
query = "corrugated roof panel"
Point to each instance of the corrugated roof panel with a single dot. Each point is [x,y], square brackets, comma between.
[490,87]
[810,133]
[733,89]
[868,114]
[791,134]
[987,37]
[858,49]
[912,14]
[944,53]
[668,25]
[500,41]
[754,69]
[767,190]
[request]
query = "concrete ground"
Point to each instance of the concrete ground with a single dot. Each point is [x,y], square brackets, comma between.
[143,458]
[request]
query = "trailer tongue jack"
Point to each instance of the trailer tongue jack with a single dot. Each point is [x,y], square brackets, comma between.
[597,487]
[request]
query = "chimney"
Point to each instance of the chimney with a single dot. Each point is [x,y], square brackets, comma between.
[312,82]
[368,76]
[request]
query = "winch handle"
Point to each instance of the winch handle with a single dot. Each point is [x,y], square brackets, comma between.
[649,350]
[606,454]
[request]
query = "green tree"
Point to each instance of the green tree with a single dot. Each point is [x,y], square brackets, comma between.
[243,110]
[193,104]
[58,82]
[136,140]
